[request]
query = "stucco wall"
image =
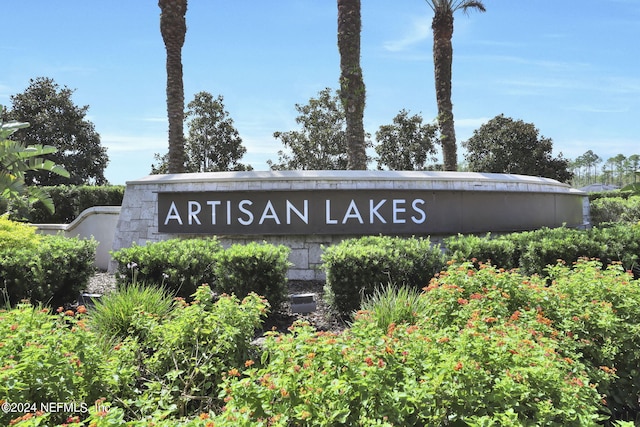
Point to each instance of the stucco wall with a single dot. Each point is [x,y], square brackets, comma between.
[98,222]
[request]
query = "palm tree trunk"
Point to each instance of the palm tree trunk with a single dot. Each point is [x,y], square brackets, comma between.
[352,89]
[173,28]
[442,26]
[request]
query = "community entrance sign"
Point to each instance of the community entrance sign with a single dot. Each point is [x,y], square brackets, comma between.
[310,210]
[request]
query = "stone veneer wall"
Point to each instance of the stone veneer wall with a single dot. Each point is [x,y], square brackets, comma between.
[138,220]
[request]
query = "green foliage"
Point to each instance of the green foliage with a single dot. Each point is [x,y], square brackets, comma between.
[57,122]
[533,251]
[321,142]
[181,360]
[356,267]
[496,250]
[394,305]
[180,265]
[406,144]
[213,143]
[53,273]
[601,310]
[483,351]
[504,145]
[16,160]
[253,267]
[70,201]
[14,235]
[615,209]
[48,358]
[113,314]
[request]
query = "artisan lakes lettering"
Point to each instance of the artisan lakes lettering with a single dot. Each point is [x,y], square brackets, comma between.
[293,212]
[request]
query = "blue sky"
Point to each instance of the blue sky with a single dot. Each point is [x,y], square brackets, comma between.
[570,68]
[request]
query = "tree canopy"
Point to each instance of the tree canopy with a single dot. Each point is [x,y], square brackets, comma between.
[321,142]
[213,143]
[407,144]
[56,121]
[505,145]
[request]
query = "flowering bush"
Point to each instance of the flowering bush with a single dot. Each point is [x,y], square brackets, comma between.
[48,358]
[490,346]
[175,365]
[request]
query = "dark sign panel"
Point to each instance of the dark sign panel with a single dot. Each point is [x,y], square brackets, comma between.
[293,212]
[363,212]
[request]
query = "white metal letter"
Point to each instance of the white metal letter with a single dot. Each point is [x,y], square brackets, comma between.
[304,217]
[173,214]
[194,209]
[245,211]
[397,209]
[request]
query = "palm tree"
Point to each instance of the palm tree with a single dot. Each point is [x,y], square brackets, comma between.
[16,159]
[174,28]
[352,90]
[442,26]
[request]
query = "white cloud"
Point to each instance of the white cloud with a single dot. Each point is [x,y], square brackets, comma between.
[133,143]
[419,31]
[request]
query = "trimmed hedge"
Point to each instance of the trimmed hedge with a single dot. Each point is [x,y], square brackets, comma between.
[259,268]
[355,268]
[533,251]
[615,209]
[69,201]
[180,265]
[53,273]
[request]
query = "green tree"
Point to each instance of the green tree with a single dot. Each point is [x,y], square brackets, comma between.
[56,121]
[406,144]
[320,143]
[504,145]
[442,26]
[173,27]
[16,159]
[213,143]
[352,88]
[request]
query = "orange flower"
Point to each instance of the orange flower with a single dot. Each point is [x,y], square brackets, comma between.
[234,372]
[69,313]
[443,340]
[248,363]
[60,310]
[368,361]
[82,309]
[14,327]
[462,301]
[458,366]
[204,416]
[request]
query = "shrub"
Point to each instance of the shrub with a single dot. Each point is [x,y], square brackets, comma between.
[180,265]
[180,361]
[259,268]
[14,235]
[562,244]
[615,209]
[394,305]
[356,267]
[53,273]
[413,375]
[48,358]
[494,250]
[113,315]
